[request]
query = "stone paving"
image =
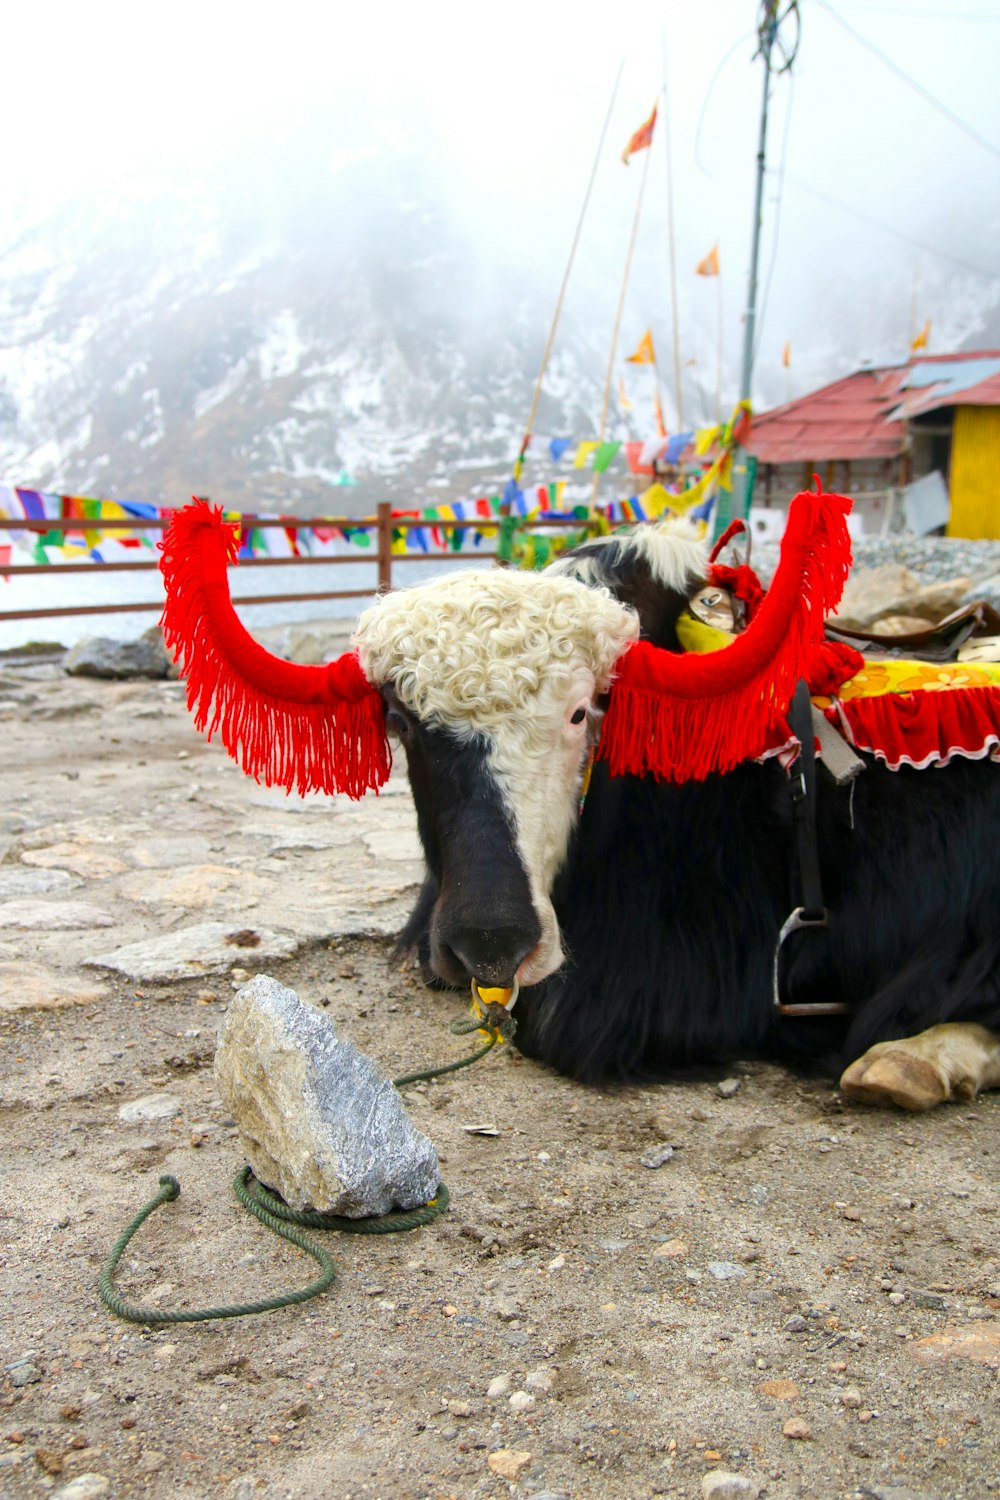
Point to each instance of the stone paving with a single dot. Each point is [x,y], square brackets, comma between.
[130,845]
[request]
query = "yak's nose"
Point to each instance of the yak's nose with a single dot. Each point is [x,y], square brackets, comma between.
[492,955]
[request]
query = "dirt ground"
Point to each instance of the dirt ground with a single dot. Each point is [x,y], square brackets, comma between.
[804,1293]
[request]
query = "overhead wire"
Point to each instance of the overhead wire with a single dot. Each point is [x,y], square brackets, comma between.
[918,88]
[748,36]
[909,239]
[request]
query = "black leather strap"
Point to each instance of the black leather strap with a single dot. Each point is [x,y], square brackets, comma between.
[802,784]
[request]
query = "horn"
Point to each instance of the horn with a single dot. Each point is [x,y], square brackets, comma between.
[681,717]
[307,728]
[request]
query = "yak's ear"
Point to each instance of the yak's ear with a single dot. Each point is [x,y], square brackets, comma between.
[303,728]
[681,717]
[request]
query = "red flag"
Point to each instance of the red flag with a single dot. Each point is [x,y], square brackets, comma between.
[642,138]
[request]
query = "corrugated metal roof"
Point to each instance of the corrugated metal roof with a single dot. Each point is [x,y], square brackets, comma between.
[863,415]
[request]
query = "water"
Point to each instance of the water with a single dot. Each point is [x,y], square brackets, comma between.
[55,589]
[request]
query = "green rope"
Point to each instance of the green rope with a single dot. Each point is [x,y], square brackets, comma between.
[276,1215]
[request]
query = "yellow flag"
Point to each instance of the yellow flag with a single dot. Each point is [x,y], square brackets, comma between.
[623,400]
[645,354]
[583,452]
[710,265]
[786,355]
[920,342]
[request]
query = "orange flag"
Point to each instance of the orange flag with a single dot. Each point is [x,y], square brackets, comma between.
[710,265]
[642,138]
[920,342]
[645,354]
[786,355]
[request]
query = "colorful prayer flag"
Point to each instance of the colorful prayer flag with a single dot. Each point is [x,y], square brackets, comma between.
[603,456]
[786,355]
[645,354]
[623,400]
[920,342]
[710,265]
[658,409]
[641,139]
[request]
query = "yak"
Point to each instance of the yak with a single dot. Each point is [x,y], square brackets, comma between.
[622,875]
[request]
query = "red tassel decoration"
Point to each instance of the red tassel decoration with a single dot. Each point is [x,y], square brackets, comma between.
[308,728]
[682,717]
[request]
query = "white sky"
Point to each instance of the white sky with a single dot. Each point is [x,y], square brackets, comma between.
[508,99]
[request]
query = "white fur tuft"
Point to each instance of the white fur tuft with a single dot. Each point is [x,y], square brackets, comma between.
[674,552]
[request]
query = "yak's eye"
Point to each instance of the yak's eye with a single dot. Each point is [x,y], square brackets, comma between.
[397,723]
[578,715]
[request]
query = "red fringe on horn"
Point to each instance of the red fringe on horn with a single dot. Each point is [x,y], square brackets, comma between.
[308,728]
[681,717]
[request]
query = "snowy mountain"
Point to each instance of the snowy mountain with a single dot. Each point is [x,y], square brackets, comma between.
[257,343]
[258,334]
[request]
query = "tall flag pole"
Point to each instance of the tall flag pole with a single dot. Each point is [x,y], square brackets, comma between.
[546,353]
[640,141]
[778,57]
[678,394]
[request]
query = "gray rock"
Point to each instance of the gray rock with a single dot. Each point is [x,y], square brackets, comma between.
[318,1122]
[728,1088]
[52,916]
[25,1374]
[83,1487]
[98,656]
[796,1324]
[725,1270]
[658,1157]
[718,1485]
[986,588]
[209,948]
[17,881]
[149,1107]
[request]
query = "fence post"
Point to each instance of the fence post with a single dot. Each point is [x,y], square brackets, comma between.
[384,531]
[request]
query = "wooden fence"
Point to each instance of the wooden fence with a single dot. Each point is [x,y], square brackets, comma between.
[382,559]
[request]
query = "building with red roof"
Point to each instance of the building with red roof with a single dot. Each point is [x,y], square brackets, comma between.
[884,427]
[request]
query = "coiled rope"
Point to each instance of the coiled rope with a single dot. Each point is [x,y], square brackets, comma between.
[276,1215]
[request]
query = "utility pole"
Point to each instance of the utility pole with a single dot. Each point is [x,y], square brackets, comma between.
[778,57]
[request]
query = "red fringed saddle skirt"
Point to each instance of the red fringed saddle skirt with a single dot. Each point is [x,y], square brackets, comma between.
[921,714]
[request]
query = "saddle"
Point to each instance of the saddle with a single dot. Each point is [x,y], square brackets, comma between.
[958,637]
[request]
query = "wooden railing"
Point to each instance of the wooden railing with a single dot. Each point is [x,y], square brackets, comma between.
[382,558]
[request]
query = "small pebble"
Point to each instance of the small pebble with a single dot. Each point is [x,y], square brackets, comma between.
[521,1401]
[26,1374]
[508,1463]
[498,1386]
[538,1381]
[797,1429]
[897,1298]
[718,1485]
[83,1487]
[728,1088]
[796,1324]
[851,1397]
[658,1157]
[725,1270]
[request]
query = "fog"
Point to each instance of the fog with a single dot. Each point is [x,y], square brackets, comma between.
[878,210]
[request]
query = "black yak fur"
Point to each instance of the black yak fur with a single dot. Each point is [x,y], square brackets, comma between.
[671,899]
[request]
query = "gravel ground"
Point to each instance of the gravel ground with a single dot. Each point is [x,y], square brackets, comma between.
[802,1293]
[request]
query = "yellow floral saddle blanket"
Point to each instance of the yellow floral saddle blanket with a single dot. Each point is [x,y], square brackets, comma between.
[921,714]
[905,713]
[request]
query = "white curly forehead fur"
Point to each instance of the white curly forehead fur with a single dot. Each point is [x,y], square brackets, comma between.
[474,647]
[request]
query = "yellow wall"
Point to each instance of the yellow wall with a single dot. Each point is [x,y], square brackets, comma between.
[974,482]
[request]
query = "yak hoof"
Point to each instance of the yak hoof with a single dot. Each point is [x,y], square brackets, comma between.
[952,1061]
